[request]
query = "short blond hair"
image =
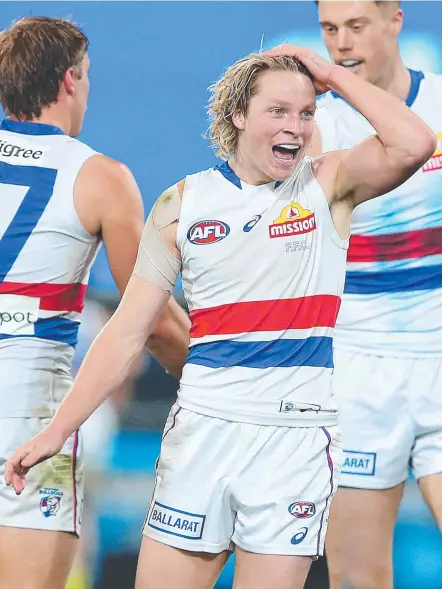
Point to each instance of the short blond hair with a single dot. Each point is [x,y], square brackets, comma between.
[232,93]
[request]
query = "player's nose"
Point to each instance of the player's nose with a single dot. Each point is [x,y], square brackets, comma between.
[344,39]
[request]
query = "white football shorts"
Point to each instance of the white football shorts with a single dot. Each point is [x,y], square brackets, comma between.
[391,418]
[53,495]
[263,488]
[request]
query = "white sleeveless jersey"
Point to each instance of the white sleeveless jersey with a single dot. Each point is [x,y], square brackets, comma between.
[45,258]
[263,271]
[392,303]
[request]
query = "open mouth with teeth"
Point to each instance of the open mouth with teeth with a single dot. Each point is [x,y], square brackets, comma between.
[285,152]
[351,64]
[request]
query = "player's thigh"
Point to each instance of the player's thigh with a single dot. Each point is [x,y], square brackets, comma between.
[285,484]
[431,489]
[275,571]
[191,508]
[35,559]
[360,537]
[165,567]
[426,455]
[375,418]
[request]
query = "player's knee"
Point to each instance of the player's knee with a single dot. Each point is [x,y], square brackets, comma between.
[364,578]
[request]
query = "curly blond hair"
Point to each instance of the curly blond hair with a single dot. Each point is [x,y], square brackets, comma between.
[232,93]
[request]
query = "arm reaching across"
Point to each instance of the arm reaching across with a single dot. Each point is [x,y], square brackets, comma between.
[118,345]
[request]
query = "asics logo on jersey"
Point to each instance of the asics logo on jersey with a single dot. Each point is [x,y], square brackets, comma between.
[205,232]
[294,219]
[10,150]
[249,226]
[302,509]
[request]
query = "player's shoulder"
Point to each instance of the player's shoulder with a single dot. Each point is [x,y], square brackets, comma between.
[431,84]
[104,169]
[329,107]
[106,183]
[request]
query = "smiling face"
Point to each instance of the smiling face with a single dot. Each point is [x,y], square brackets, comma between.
[361,36]
[276,130]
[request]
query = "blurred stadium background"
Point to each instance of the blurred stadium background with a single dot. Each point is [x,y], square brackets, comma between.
[151,65]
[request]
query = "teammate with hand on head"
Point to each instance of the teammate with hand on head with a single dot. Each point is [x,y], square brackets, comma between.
[388,338]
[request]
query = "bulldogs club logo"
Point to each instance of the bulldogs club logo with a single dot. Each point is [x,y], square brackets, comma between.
[50,502]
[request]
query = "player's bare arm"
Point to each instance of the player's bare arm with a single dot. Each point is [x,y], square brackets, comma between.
[109,202]
[403,143]
[117,347]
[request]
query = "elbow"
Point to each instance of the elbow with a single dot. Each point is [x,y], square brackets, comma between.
[423,146]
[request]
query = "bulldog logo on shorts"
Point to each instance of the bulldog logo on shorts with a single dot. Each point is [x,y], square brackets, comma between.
[50,502]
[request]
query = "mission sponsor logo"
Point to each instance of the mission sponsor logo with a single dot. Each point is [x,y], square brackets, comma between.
[293,220]
[205,232]
[435,161]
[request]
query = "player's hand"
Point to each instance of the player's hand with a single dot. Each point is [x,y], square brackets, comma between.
[320,68]
[39,448]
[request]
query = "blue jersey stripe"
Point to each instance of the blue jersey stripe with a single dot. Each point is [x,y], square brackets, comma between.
[56,329]
[41,186]
[423,278]
[283,353]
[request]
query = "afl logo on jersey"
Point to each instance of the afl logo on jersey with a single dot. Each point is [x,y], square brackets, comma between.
[206,232]
[302,509]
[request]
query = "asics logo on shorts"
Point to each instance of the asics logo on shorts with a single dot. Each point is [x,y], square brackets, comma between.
[299,536]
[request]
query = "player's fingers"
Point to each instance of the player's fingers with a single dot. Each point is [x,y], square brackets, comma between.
[284,50]
[9,471]
[33,457]
[13,464]
[18,483]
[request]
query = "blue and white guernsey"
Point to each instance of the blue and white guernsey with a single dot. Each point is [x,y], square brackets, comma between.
[45,258]
[263,274]
[392,303]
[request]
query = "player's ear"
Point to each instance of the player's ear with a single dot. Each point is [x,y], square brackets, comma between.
[397,21]
[69,80]
[239,120]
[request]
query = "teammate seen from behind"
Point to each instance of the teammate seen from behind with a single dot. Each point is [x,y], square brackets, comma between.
[60,199]
[256,388]
[388,339]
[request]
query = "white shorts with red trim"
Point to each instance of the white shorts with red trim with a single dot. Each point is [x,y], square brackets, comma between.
[53,496]
[266,489]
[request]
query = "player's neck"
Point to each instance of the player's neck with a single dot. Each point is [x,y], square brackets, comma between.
[246,171]
[396,80]
[51,115]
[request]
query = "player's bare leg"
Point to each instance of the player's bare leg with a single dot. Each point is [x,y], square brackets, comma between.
[431,489]
[164,567]
[359,542]
[262,571]
[35,559]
